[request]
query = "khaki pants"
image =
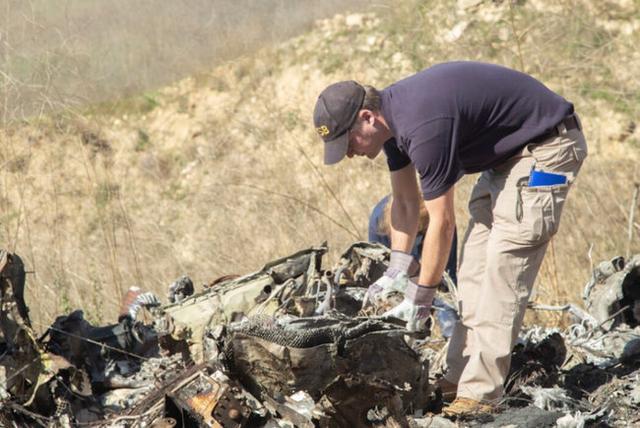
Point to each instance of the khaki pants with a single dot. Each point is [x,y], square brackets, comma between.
[508,233]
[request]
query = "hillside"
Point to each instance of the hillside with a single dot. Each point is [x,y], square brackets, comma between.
[221,172]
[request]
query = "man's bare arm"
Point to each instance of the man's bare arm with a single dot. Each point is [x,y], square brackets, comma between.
[404,209]
[437,240]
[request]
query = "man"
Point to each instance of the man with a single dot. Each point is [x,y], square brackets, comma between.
[443,122]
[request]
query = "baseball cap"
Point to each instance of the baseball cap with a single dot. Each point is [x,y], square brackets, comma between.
[336,110]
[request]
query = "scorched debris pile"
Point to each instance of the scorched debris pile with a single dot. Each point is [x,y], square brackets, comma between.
[290,346]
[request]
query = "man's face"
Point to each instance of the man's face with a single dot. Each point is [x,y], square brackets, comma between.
[364,138]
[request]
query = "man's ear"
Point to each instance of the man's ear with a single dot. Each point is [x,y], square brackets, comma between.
[366,116]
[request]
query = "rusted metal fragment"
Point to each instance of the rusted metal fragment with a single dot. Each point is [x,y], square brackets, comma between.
[210,400]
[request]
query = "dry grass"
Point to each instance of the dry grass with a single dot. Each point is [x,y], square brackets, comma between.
[62,55]
[220,173]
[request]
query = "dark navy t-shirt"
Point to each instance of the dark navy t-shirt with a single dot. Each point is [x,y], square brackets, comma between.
[464,117]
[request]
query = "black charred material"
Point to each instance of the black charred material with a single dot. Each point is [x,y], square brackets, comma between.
[296,264]
[89,347]
[584,379]
[536,363]
[21,359]
[14,272]
[180,289]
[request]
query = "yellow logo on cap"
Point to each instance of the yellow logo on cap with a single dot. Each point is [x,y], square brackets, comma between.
[322,130]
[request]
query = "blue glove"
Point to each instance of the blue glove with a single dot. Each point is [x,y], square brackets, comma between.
[395,278]
[416,306]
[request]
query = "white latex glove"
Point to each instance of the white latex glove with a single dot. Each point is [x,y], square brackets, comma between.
[416,306]
[395,278]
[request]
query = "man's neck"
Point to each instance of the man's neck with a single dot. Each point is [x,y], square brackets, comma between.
[384,127]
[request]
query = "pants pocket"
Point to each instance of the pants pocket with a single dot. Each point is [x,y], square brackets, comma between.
[538,211]
[563,154]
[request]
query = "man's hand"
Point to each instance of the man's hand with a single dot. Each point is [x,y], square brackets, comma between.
[395,278]
[416,306]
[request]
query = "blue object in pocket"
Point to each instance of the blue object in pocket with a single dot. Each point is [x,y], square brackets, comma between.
[541,178]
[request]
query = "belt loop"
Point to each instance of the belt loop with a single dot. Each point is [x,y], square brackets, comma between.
[561,128]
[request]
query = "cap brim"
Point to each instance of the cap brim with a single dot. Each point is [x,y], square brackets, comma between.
[336,150]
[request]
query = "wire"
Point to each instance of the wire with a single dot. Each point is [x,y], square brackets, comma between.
[103,345]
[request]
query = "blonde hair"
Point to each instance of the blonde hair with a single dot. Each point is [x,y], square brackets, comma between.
[384,224]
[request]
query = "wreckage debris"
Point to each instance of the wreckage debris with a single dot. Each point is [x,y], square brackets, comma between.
[289,345]
[278,358]
[180,289]
[209,398]
[612,295]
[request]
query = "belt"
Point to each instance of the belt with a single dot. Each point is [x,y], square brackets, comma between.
[566,124]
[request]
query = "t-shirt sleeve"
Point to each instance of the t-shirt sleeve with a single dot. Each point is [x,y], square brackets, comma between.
[433,153]
[395,158]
